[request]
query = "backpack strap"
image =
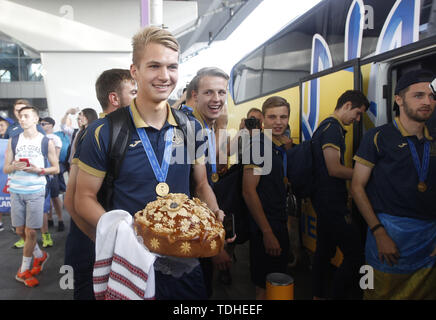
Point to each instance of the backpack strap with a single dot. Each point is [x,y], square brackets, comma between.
[121,128]
[44,150]
[185,124]
[44,146]
[120,131]
[14,142]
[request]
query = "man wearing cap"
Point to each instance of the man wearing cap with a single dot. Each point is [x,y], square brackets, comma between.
[394,187]
[4,124]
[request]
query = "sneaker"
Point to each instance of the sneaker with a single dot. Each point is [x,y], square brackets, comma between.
[61,226]
[50,223]
[47,240]
[19,244]
[38,264]
[27,278]
[1,227]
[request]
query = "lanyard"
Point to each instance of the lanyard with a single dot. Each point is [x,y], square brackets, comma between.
[282,150]
[160,172]
[211,146]
[421,168]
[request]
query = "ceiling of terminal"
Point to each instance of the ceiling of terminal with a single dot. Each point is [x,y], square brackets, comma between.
[216,20]
[195,23]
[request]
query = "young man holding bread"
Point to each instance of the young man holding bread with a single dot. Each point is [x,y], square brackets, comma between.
[155,69]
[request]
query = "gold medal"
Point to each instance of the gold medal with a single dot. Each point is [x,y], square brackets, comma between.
[422,187]
[162,189]
[215,177]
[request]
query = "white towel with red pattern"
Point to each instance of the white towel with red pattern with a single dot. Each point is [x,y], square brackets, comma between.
[123,268]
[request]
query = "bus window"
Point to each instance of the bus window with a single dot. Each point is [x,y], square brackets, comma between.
[427,19]
[247,76]
[287,59]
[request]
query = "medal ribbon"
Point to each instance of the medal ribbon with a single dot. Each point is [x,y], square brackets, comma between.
[282,150]
[160,172]
[421,168]
[211,146]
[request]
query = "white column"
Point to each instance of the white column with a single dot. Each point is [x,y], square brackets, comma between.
[156,13]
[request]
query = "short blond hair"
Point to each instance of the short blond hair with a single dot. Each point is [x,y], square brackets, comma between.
[152,35]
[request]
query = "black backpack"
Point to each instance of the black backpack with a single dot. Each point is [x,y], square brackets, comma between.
[300,170]
[228,192]
[120,130]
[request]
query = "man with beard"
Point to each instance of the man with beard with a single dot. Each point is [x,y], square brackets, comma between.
[394,188]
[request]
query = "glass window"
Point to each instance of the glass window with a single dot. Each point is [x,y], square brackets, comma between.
[18,63]
[287,59]
[30,70]
[287,56]
[247,77]
[427,19]
[5,76]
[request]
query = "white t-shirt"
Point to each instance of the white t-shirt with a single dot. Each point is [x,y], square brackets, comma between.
[56,140]
[26,182]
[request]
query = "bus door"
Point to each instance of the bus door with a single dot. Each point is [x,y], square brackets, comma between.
[319,95]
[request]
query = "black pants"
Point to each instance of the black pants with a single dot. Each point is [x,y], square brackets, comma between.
[333,231]
[261,263]
[80,254]
[190,286]
[207,268]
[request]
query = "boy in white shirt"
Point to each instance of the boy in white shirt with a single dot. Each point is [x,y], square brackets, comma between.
[26,167]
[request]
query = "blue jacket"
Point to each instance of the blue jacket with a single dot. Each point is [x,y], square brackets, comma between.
[15,129]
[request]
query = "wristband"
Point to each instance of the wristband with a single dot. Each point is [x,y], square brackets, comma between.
[377,226]
[42,172]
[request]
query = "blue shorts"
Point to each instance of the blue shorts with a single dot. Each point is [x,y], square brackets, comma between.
[54,186]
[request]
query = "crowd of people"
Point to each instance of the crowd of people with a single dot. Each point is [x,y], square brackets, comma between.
[392,182]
